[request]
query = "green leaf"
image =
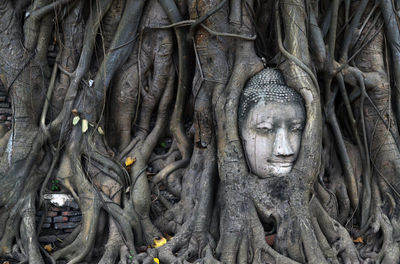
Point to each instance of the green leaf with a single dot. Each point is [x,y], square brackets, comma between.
[163,144]
[85,125]
[75,120]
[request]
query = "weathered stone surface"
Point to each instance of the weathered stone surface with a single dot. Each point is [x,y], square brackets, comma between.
[59,199]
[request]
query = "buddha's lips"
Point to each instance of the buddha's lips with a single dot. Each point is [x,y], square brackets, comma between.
[281,163]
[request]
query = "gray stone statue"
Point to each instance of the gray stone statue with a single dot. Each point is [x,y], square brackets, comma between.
[271,120]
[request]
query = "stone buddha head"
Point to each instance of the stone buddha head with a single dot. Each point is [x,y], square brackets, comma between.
[271,121]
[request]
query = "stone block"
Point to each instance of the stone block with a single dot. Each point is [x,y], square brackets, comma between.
[75,218]
[65,225]
[5,111]
[60,219]
[46,225]
[4,105]
[48,239]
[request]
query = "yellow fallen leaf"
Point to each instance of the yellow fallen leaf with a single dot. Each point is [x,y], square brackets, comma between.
[48,248]
[101,132]
[129,161]
[358,240]
[156,260]
[159,242]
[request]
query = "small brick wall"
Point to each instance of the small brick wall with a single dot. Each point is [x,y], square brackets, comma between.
[5,107]
[59,222]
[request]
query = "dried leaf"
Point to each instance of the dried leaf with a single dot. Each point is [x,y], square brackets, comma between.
[48,248]
[358,240]
[129,161]
[85,125]
[159,242]
[156,260]
[101,132]
[74,112]
[6,262]
[75,120]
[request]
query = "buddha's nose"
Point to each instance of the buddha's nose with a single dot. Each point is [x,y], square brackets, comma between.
[282,145]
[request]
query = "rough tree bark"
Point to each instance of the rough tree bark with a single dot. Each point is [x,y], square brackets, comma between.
[158,82]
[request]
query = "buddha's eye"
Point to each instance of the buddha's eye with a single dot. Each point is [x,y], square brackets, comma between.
[264,129]
[296,128]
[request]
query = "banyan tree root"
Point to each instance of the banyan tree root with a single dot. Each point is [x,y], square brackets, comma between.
[131,76]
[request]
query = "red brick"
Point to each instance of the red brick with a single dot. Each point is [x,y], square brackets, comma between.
[52,214]
[71,213]
[55,209]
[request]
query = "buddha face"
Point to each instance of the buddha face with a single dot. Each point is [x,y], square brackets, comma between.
[271,135]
